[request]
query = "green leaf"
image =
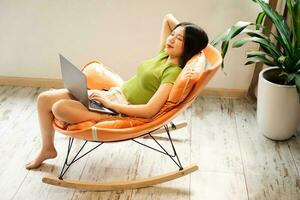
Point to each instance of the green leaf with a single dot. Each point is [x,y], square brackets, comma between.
[281,26]
[291,77]
[252,33]
[220,38]
[255,53]
[297,81]
[240,42]
[297,23]
[262,34]
[265,44]
[262,54]
[298,65]
[281,59]
[294,12]
[224,47]
[237,28]
[293,63]
[259,19]
[258,59]
[291,13]
[295,67]
[231,32]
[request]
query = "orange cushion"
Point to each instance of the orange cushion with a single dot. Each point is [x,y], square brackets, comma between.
[99,77]
[183,84]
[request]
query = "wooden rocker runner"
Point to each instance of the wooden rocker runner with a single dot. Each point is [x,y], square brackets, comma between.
[184,92]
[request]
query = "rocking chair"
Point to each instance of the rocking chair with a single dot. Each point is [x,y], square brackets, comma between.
[184,92]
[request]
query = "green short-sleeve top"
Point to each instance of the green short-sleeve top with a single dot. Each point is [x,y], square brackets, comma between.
[150,75]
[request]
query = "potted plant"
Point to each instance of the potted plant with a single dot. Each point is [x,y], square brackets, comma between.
[278,98]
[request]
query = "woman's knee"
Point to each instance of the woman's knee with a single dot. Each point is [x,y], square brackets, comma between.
[44,98]
[60,108]
[68,110]
[48,98]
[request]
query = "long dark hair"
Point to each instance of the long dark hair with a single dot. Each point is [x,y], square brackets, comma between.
[195,40]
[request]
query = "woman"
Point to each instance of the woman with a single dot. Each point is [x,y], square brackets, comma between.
[141,96]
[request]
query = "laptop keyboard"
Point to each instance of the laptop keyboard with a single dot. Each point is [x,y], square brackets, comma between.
[98,106]
[94,104]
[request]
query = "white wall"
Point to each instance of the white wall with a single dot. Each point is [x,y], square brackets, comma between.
[119,33]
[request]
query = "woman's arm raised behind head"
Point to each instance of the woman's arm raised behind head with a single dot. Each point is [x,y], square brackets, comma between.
[168,24]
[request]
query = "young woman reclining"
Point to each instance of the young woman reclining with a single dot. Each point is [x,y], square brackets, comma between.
[141,96]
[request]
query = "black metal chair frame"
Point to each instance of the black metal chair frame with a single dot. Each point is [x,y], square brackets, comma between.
[162,150]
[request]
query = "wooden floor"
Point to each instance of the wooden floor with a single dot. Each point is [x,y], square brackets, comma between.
[235,161]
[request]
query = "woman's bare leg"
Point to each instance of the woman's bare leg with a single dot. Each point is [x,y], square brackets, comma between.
[72,112]
[45,103]
[58,104]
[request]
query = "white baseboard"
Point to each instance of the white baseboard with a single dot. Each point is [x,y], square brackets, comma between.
[224,92]
[58,83]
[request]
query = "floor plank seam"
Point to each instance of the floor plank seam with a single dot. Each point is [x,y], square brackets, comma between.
[190,129]
[220,172]
[241,156]
[79,178]
[20,185]
[293,157]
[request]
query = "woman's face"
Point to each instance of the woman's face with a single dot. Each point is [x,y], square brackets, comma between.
[174,42]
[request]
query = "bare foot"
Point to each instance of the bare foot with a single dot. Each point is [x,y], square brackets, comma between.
[40,158]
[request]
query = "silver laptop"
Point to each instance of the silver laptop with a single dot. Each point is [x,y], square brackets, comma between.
[75,81]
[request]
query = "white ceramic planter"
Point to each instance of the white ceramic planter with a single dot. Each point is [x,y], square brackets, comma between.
[278,108]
